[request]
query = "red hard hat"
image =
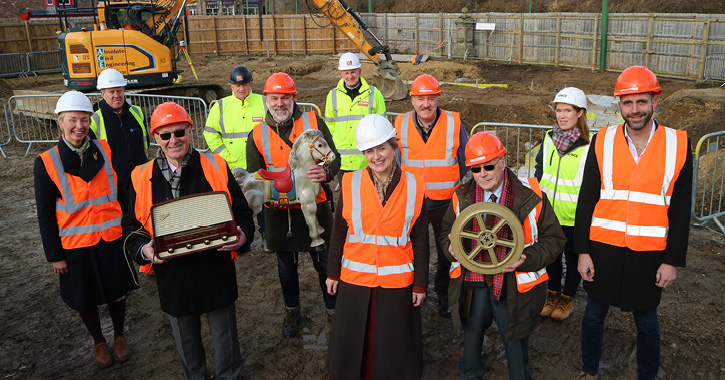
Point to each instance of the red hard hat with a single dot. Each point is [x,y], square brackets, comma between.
[483,147]
[637,80]
[425,85]
[169,113]
[280,83]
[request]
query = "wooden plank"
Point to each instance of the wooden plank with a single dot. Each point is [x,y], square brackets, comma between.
[246,35]
[216,44]
[703,51]
[274,34]
[558,40]
[27,34]
[304,34]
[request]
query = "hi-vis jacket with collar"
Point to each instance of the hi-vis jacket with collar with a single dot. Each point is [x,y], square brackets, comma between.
[525,280]
[229,124]
[98,125]
[87,211]
[632,210]
[342,115]
[435,160]
[275,150]
[378,250]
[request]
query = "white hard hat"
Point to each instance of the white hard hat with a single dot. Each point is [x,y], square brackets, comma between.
[348,61]
[73,101]
[372,131]
[573,96]
[110,78]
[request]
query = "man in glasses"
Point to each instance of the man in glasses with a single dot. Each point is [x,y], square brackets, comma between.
[287,233]
[432,143]
[515,296]
[632,221]
[121,124]
[196,284]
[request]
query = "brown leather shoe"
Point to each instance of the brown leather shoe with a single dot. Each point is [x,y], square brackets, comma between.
[552,298]
[563,307]
[101,355]
[121,352]
[585,376]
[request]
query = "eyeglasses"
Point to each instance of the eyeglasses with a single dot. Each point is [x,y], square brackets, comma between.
[179,133]
[488,168]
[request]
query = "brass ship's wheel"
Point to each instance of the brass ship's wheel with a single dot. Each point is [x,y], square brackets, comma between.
[485,241]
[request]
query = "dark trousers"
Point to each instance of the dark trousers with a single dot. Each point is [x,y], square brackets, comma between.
[648,339]
[572,277]
[290,281]
[484,309]
[435,218]
[223,329]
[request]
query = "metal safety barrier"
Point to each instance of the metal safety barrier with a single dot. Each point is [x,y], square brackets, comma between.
[44,62]
[5,135]
[306,107]
[715,67]
[708,182]
[522,142]
[15,64]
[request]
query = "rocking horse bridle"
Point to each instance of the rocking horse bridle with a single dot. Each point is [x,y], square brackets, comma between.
[325,157]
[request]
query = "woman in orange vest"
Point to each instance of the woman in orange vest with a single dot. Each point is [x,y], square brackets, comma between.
[79,216]
[378,264]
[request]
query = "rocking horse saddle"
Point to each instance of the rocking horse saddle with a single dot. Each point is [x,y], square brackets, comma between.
[282,181]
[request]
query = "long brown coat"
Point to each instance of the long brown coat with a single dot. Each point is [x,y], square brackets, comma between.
[522,308]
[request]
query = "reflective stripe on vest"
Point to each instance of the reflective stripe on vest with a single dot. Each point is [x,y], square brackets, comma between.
[98,125]
[440,172]
[234,135]
[562,178]
[345,118]
[97,214]
[371,257]
[634,198]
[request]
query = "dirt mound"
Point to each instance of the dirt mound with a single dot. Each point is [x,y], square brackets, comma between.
[698,111]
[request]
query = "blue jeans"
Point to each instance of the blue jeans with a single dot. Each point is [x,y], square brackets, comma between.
[290,281]
[648,339]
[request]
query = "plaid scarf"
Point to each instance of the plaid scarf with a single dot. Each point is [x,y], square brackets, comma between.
[507,200]
[564,139]
[173,179]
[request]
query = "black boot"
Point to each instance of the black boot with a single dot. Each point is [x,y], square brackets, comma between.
[291,322]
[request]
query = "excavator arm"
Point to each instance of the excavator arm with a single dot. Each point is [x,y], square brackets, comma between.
[342,17]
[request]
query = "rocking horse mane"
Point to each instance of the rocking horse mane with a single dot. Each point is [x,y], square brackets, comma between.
[305,138]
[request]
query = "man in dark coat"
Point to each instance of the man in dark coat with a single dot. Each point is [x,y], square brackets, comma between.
[283,123]
[632,221]
[477,299]
[200,283]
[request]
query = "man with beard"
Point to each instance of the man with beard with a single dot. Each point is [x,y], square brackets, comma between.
[632,221]
[432,144]
[269,148]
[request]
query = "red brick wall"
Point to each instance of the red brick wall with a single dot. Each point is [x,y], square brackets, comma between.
[10,9]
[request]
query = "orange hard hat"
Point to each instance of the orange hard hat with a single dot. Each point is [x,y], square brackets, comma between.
[483,147]
[637,80]
[169,113]
[425,85]
[280,83]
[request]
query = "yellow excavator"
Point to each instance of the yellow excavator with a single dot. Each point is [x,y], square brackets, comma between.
[342,17]
[137,38]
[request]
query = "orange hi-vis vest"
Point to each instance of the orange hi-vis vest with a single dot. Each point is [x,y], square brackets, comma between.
[525,281]
[436,160]
[276,151]
[635,197]
[213,167]
[378,250]
[87,211]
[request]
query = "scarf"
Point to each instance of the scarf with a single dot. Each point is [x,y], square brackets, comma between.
[562,139]
[80,150]
[174,179]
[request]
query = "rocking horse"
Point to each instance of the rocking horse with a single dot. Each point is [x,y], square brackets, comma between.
[292,185]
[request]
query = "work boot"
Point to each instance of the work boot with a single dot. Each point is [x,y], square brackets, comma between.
[444,310]
[563,308]
[101,355]
[121,352]
[291,322]
[585,376]
[552,298]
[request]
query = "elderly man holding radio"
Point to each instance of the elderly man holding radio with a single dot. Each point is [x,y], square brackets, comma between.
[195,284]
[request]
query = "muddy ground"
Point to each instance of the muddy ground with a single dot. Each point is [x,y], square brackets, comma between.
[41,338]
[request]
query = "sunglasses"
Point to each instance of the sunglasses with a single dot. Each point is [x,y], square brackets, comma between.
[179,133]
[488,168]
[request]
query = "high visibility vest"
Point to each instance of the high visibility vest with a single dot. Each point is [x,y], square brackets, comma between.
[435,160]
[525,281]
[378,250]
[98,125]
[87,211]
[214,168]
[342,115]
[228,126]
[276,151]
[635,197]
[562,179]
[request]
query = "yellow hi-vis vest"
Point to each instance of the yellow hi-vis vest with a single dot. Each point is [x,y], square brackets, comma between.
[98,126]
[525,281]
[378,250]
[229,124]
[562,179]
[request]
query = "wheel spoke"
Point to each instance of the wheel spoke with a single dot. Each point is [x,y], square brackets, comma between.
[506,243]
[472,255]
[492,256]
[468,235]
[481,223]
[499,225]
